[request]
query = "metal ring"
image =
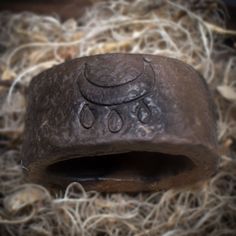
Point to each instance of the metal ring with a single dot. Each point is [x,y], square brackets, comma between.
[120,122]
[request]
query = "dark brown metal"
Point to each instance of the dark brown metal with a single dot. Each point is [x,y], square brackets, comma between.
[120,122]
[65,9]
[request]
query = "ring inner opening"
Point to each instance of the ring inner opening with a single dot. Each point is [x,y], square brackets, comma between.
[123,166]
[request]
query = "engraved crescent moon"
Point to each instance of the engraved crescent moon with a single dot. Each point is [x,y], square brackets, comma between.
[121,93]
[128,78]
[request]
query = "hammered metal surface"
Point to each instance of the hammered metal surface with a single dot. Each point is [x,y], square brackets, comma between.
[118,103]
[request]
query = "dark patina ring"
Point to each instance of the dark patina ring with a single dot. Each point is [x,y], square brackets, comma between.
[120,122]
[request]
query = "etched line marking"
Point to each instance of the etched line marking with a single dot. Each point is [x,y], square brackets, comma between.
[87,118]
[144,113]
[115,122]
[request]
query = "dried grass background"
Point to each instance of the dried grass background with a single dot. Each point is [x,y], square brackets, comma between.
[193,31]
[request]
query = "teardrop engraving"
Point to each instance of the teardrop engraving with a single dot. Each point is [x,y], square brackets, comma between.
[144,113]
[115,121]
[86,117]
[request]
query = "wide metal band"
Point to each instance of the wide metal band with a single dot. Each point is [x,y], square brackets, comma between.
[120,122]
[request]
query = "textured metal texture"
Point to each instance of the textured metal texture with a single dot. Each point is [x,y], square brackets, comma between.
[120,122]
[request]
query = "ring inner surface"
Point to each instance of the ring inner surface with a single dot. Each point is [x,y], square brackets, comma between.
[137,165]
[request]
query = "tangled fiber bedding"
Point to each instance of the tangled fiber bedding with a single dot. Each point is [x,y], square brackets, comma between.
[192,31]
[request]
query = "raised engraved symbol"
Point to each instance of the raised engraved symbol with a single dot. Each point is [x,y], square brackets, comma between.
[86,117]
[115,122]
[111,80]
[144,113]
[108,87]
